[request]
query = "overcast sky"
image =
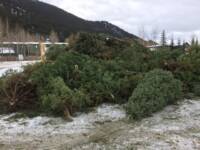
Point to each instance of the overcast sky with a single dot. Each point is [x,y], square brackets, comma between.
[180,18]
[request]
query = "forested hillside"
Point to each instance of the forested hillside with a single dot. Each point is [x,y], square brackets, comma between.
[42,18]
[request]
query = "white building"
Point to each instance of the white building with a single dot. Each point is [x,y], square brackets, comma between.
[154,47]
[7,50]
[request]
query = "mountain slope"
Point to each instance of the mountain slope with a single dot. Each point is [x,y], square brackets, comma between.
[39,17]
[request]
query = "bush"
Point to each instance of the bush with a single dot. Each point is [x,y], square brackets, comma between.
[126,86]
[188,70]
[135,58]
[196,89]
[88,43]
[41,76]
[81,101]
[156,90]
[56,96]
[17,92]
[55,51]
[2,102]
[102,81]
[97,45]
[165,58]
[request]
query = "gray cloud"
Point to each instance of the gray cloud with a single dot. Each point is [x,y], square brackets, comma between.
[177,17]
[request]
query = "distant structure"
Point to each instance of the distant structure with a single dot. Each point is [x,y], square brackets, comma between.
[19,51]
[6,50]
[186,46]
[156,47]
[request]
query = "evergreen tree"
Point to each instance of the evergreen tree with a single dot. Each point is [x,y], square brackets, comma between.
[197,42]
[163,38]
[172,42]
[179,42]
[193,41]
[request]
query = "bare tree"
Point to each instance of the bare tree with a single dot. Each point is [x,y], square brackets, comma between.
[154,34]
[142,33]
[193,40]
[172,41]
[7,28]
[179,42]
[197,42]
[1,32]
[53,36]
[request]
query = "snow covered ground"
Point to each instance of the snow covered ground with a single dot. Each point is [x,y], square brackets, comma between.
[176,127]
[31,130]
[45,126]
[14,65]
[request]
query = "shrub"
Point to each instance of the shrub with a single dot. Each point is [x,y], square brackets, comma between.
[55,51]
[2,96]
[104,81]
[88,43]
[81,100]
[188,70]
[165,58]
[156,90]
[127,85]
[41,76]
[97,45]
[56,96]
[69,66]
[135,58]
[196,89]
[17,92]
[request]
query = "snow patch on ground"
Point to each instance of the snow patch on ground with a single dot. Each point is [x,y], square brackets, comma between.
[13,65]
[47,126]
[176,127]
